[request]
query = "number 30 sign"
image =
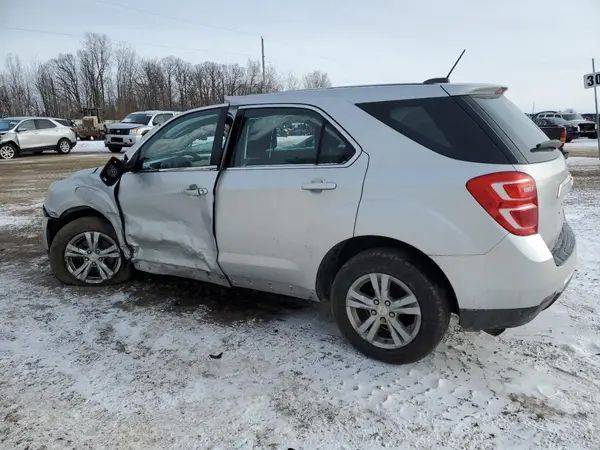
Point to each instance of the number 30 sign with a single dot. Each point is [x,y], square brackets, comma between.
[591,79]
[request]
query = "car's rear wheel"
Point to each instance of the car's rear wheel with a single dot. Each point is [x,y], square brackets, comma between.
[86,252]
[115,148]
[7,151]
[64,146]
[388,307]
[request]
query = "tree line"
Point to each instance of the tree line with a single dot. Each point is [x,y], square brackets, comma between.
[117,80]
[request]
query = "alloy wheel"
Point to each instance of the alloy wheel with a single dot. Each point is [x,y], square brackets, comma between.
[383,311]
[92,257]
[7,152]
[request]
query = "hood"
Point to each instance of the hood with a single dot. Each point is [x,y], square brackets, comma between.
[84,173]
[124,126]
[578,121]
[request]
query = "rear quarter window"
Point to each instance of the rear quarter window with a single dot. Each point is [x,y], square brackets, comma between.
[440,124]
[500,113]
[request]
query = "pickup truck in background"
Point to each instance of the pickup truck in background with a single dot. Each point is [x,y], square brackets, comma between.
[554,130]
[549,122]
[586,128]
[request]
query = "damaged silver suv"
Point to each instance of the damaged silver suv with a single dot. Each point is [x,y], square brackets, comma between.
[401,204]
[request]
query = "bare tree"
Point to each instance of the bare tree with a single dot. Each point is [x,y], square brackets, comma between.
[63,85]
[291,83]
[19,87]
[44,81]
[66,72]
[126,75]
[316,79]
[94,61]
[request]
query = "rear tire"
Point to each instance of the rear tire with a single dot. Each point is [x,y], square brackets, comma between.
[115,148]
[8,151]
[64,146]
[411,319]
[64,265]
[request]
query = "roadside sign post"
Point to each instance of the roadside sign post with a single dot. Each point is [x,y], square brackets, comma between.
[592,80]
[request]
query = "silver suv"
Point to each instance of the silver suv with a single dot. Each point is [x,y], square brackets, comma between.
[133,127]
[20,135]
[401,204]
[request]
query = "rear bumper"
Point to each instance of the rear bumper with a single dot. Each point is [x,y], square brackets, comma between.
[490,319]
[510,285]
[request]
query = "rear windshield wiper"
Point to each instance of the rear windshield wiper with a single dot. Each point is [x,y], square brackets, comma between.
[547,146]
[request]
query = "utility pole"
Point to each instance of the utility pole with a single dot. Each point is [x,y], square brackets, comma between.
[533,108]
[262,50]
[597,121]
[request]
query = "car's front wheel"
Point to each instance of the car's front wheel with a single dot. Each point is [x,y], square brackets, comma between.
[114,148]
[7,151]
[388,307]
[64,146]
[86,252]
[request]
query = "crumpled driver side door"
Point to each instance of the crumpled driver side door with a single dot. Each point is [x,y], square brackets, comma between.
[167,203]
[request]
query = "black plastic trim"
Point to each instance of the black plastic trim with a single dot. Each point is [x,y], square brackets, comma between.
[492,319]
[564,246]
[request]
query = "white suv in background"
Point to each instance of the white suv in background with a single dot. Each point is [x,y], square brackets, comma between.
[19,135]
[133,127]
[401,204]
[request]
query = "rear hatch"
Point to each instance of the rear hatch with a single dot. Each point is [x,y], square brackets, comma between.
[537,157]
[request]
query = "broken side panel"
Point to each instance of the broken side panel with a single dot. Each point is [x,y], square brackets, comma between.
[169,222]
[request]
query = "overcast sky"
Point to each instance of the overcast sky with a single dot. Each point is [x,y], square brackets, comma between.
[540,49]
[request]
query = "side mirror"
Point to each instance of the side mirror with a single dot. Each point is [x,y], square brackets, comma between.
[112,171]
[145,132]
[20,129]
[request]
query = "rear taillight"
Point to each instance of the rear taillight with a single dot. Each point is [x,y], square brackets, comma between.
[510,198]
[563,135]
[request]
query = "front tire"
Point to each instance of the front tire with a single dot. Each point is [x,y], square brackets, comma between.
[388,307]
[64,146]
[115,148]
[8,151]
[86,252]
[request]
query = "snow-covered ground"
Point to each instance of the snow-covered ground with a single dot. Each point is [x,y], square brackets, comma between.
[90,147]
[129,366]
[582,144]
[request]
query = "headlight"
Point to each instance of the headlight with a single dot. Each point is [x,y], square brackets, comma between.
[135,131]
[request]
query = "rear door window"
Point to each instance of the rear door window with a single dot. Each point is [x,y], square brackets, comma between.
[440,124]
[521,131]
[43,124]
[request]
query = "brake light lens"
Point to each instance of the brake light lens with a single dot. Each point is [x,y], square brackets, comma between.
[563,135]
[510,198]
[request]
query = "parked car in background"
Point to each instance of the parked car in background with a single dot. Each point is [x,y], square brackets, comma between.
[133,127]
[407,203]
[69,124]
[554,132]
[587,128]
[572,131]
[20,135]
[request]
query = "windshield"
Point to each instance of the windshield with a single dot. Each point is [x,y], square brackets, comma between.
[524,133]
[6,125]
[557,121]
[137,118]
[572,116]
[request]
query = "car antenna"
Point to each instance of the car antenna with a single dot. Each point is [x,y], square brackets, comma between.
[446,79]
